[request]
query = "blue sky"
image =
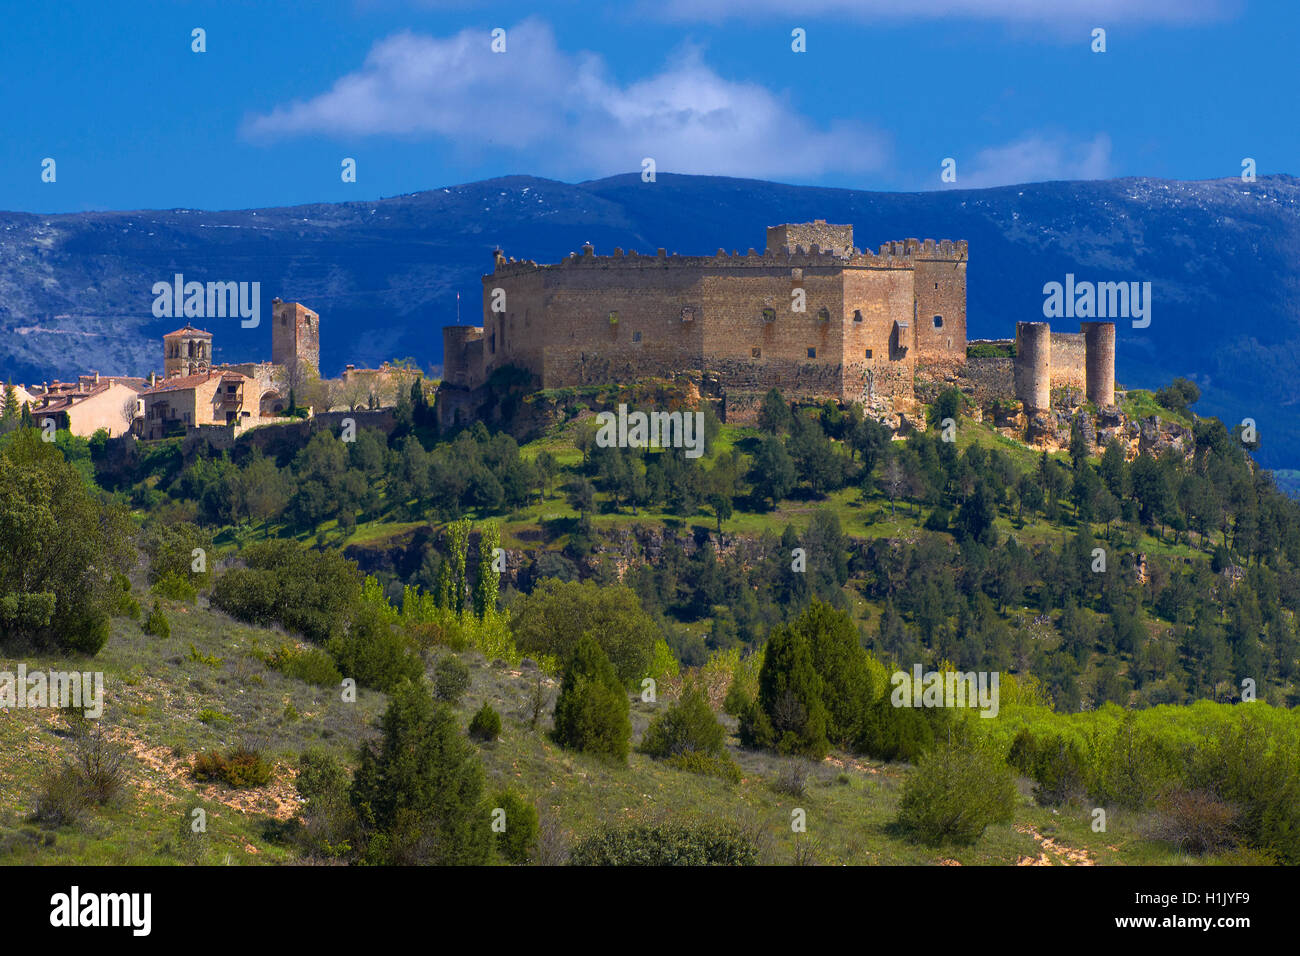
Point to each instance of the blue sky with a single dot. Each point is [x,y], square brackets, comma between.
[411,90]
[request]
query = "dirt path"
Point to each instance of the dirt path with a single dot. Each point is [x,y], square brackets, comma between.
[1052,853]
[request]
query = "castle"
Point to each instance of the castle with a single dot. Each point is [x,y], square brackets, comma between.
[811,315]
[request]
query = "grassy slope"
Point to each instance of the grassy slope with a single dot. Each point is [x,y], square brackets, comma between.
[155,690]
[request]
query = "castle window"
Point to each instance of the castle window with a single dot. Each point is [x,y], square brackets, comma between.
[936,285]
[823,315]
[492,342]
[812,353]
[769,315]
[636,336]
[857,315]
[868,355]
[756,353]
[938,321]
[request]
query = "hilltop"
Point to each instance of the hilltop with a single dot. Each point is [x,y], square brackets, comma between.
[1220,255]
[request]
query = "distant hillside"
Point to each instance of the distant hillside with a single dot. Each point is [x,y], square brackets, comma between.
[1221,256]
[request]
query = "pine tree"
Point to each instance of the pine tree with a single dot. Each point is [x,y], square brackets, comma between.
[789,716]
[592,710]
[418,796]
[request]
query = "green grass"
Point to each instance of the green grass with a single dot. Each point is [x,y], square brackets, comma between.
[157,696]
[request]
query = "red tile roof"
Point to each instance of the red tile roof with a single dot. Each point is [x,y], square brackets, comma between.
[189,330]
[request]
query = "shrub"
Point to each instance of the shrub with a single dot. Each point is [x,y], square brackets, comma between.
[374,653]
[669,844]
[61,800]
[241,767]
[450,679]
[312,593]
[100,764]
[687,726]
[720,765]
[516,840]
[898,733]
[485,724]
[312,665]
[418,794]
[329,824]
[791,780]
[556,614]
[156,623]
[1195,821]
[210,716]
[1057,765]
[957,790]
[789,715]
[592,712]
[175,587]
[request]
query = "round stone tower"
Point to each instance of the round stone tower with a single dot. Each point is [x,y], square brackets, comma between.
[1099,361]
[1034,365]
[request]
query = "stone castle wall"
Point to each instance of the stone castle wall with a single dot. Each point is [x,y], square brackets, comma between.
[1068,360]
[595,319]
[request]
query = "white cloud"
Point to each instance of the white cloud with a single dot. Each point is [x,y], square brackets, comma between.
[564,115]
[1036,158]
[1096,12]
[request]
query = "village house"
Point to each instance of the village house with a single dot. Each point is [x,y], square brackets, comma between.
[214,397]
[90,404]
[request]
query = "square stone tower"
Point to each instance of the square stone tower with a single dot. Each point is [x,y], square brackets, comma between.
[186,351]
[295,334]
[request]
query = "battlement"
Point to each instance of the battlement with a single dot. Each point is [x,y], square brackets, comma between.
[837,240]
[901,254]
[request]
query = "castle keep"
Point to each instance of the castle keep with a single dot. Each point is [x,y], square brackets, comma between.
[811,315]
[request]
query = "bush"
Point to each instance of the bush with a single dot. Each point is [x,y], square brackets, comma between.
[592,712]
[1195,821]
[156,623]
[93,776]
[516,841]
[418,794]
[485,724]
[1057,765]
[669,844]
[100,764]
[898,733]
[687,726]
[789,715]
[329,824]
[312,665]
[312,593]
[374,653]
[1178,394]
[241,767]
[550,620]
[720,765]
[175,587]
[61,800]
[450,679]
[957,790]
[791,780]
